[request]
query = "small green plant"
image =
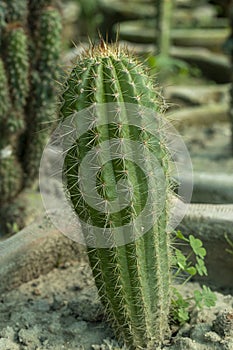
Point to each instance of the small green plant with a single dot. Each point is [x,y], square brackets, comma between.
[229,250]
[184,264]
[171,67]
[181,306]
[13,227]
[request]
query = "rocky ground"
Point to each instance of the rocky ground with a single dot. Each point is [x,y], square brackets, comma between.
[209,147]
[61,310]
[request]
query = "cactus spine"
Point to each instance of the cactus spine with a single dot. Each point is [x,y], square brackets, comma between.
[133,279]
[28,66]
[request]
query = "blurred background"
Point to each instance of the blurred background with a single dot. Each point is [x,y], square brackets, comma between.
[191,34]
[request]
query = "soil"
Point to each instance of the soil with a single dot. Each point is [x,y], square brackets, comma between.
[61,310]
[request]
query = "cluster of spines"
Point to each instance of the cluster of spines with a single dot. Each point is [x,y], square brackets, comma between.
[133,279]
[89,69]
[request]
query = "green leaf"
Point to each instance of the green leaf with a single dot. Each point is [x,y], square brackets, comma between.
[209,298]
[180,259]
[201,268]
[152,62]
[205,297]
[178,299]
[182,315]
[230,243]
[180,235]
[191,270]
[179,308]
[196,245]
[198,298]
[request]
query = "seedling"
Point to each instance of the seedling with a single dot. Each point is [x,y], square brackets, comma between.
[229,250]
[181,306]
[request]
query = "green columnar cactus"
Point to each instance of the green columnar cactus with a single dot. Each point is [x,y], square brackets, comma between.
[10,171]
[41,105]
[11,176]
[2,17]
[28,67]
[14,86]
[37,5]
[14,89]
[5,102]
[16,11]
[17,63]
[133,279]
[35,8]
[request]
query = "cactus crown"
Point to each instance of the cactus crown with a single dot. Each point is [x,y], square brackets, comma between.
[103,62]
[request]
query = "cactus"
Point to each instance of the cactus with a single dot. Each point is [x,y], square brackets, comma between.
[11,176]
[16,61]
[133,279]
[16,11]
[28,67]
[5,103]
[2,17]
[14,88]
[41,107]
